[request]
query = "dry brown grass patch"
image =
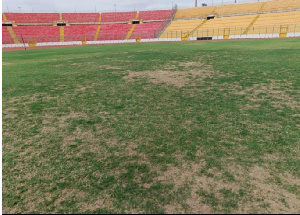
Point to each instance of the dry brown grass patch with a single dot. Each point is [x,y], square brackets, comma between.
[275,91]
[6,63]
[176,78]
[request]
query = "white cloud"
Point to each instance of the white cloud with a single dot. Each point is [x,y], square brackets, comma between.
[101,5]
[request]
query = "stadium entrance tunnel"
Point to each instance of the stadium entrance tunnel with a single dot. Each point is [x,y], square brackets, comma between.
[7,24]
[61,24]
[134,22]
[209,17]
[204,38]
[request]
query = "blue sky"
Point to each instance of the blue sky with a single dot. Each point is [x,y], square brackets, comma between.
[102,5]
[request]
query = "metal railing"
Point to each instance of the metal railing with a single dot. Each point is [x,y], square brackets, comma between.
[276,29]
[166,22]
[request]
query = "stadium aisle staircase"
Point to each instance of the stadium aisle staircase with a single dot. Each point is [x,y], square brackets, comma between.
[100,17]
[197,28]
[97,32]
[4,17]
[13,35]
[262,7]
[61,34]
[130,32]
[251,24]
[137,15]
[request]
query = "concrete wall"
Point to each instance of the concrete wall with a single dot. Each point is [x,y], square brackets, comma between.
[243,36]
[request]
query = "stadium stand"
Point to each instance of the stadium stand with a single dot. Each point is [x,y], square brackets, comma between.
[118,17]
[80,32]
[231,9]
[197,12]
[155,15]
[80,17]
[175,29]
[33,18]
[235,24]
[39,33]
[113,31]
[6,37]
[276,16]
[282,5]
[147,30]
[274,21]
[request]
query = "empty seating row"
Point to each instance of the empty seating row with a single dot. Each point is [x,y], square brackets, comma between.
[197,12]
[231,9]
[276,20]
[114,31]
[37,33]
[176,28]
[80,17]
[280,5]
[156,15]
[118,17]
[6,38]
[80,32]
[147,30]
[21,18]
[49,18]
[236,24]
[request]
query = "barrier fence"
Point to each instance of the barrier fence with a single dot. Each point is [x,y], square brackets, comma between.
[237,31]
[219,33]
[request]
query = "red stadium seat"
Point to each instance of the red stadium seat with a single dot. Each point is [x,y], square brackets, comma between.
[118,16]
[80,17]
[114,31]
[21,18]
[80,32]
[155,14]
[40,33]
[147,30]
[6,38]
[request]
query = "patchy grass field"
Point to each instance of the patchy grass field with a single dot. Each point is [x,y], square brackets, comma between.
[208,127]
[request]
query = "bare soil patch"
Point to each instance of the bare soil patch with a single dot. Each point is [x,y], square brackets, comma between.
[271,193]
[176,78]
[275,91]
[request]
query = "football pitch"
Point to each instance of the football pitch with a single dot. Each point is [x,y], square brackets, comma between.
[192,127]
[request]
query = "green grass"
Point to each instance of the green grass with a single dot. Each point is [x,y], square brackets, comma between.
[153,128]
